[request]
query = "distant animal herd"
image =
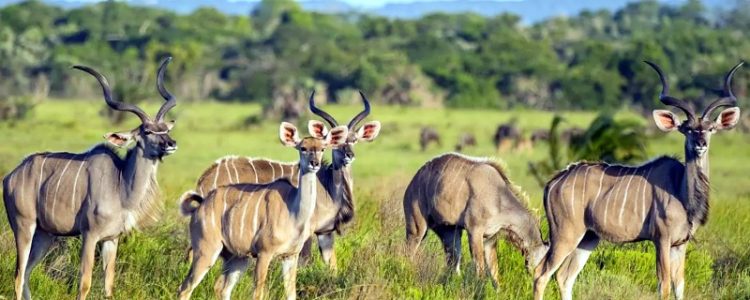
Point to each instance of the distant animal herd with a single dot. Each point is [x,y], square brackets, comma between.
[245,208]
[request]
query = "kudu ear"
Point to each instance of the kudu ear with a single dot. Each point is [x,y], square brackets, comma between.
[170,124]
[288,134]
[337,136]
[666,120]
[119,139]
[369,131]
[317,129]
[728,118]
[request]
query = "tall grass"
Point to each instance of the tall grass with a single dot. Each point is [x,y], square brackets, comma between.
[151,263]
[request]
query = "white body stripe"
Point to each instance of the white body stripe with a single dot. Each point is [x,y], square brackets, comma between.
[601,181]
[229,175]
[236,174]
[254,170]
[75,182]
[41,177]
[625,197]
[585,180]
[59,179]
[218,170]
[643,209]
[609,195]
[255,215]
[573,194]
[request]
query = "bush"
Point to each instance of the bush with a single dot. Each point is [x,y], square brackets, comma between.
[16,108]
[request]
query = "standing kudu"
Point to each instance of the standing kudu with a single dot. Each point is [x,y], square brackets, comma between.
[453,192]
[259,220]
[95,194]
[335,205]
[663,201]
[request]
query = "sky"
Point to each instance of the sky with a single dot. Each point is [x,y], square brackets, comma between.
[356,3]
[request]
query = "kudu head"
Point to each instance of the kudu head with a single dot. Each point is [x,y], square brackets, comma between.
[311,148]
[153,134]
[344,155]
[697,130]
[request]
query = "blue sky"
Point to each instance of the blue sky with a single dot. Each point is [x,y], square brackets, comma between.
[358,3]
[376,3]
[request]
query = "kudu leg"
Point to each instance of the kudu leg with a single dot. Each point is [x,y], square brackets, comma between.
[202,262]
[574,263]
[416,226]
[39,246]
[490,258]
[233,269]
[677,257]
[24,233]
[663,271]
[560,248]
[261,273]
[305,254]
[88,250]
[451,238]
[289,272]
[325,243]
[109,255]
[476,245]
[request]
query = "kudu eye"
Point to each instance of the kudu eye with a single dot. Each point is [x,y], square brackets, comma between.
[303,149]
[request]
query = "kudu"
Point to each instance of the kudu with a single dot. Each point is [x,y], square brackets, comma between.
[95,194]
[663,201]
[259,220]
[453,192]
[335,205]
[427,136]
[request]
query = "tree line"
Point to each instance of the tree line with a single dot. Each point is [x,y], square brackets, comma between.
[278,53]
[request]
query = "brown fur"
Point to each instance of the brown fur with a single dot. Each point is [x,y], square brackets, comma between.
[454,192]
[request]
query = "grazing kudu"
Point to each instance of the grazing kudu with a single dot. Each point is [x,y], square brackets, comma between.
[259,220]
[506,136]
[428,135]
[95,194]
[465,140]
[663,201]
[335,205]
[453,192]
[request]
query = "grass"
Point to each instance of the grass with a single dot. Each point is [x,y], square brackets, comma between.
[151,265]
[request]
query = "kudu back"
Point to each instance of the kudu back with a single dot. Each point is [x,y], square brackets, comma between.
[259,220]
[453,192]
[95,194]
[335,205]
[663,201]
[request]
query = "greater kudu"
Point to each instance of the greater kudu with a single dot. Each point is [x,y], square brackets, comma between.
[663,201]
[335,205]
[232,220]
[95,194]
[453,192]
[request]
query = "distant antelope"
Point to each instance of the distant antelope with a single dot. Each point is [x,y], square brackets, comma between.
[428,135]
[259,220]
[465,140]
[453,192]
[335,205]
[663,201]
[95,194]
[506,136]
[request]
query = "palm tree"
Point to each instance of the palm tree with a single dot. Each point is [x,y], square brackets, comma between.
[606,139]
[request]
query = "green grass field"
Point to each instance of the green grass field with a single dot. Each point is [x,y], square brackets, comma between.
[151,265]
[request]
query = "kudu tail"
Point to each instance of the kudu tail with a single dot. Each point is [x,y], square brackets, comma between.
[190,201]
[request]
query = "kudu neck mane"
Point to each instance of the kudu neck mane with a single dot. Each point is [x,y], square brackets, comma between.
[139,185]
[696,188]
[337,181]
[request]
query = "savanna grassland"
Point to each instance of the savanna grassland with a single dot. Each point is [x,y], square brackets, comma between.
[151,263]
